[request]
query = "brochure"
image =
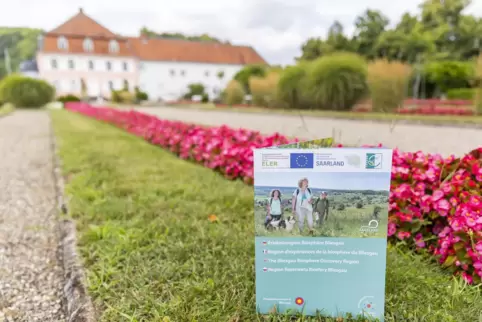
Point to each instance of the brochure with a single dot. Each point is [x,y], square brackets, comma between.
[321,217]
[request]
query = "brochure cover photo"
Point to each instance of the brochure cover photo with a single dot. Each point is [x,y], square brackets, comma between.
[321,219]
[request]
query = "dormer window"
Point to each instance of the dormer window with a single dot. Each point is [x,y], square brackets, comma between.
[62,43]
[113,46]
[88,45]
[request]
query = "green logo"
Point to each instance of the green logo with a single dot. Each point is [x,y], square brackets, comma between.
[374,161]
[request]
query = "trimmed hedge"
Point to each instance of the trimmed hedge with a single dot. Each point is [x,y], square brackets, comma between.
[26,92]
[68,98]
[461,94]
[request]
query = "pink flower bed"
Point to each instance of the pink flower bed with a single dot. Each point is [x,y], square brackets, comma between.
[435,202]
[428,107]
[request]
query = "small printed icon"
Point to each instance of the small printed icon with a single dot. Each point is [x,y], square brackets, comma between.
[353,160]
[265,269]
[265,259]
[264,243]
[301,160]
[374,161]
[299,301]
[372,226]
[265,251]
[367,306]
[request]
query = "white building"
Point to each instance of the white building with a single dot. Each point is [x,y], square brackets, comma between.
[82,50]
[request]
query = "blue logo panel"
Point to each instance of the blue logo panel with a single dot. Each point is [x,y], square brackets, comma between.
[301,161]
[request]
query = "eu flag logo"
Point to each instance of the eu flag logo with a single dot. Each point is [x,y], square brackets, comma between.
[301,160]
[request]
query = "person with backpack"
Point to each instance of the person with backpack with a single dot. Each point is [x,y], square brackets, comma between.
[301,205]
[322,206]
[274,207]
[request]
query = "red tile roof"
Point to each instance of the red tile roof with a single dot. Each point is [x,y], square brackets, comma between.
[83,25]
[194,51]
[80,26]
[101,46]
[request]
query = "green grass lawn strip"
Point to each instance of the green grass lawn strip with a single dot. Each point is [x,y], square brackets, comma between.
[151,253]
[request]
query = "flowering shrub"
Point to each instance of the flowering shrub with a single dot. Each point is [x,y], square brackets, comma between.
[435,203]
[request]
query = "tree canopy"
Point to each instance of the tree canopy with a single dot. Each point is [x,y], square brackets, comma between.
[21,44]
[441,31]
[176,35]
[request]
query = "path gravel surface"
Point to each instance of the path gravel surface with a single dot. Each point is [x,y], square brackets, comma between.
[30,272]
[407,137]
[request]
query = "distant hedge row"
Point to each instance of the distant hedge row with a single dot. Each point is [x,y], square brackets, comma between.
[341,80]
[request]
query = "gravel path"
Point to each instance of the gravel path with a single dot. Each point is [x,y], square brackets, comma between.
[30,273]
[407,137]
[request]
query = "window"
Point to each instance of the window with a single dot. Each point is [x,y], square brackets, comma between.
[71,64]
[88,45]
[113,46]
[111,85]
[72,86]
[125,66]
[206,73]
[62,43]
[183,73]
[108,65]
[126,85]
[91,65]
[57,85]
[53,63]
[172,72]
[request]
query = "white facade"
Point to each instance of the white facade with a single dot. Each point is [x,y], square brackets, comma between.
[101,74]
[170,80]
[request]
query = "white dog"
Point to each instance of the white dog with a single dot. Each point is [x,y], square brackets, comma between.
[290,223]
[287,224]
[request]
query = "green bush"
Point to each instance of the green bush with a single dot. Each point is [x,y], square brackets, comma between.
[205,98]
[461,94]
[140,95]
[26,92]
[68,98]
[194,90]
[115,96]
[290,86]
[449,75]
[337,81]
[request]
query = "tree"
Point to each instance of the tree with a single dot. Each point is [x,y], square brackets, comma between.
[21,44]
[203,37]
[311,49]
[337,41]
[195,89]
[368,27]
[247,72]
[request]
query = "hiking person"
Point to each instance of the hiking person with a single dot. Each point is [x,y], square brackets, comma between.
[301,205]
[274,208]
[321,207]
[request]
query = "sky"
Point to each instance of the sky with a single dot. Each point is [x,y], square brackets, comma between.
[275,28]
[326,180]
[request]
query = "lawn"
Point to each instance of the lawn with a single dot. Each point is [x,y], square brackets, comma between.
[152,254]
[457,120]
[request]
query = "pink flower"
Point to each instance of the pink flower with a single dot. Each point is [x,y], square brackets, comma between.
[403,234]
[419,240]
[469,279]
[437,195]
[392,228]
